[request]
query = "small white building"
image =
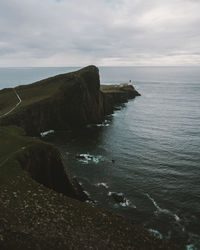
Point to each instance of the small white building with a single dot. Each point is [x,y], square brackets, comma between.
[129,83]
[123,84]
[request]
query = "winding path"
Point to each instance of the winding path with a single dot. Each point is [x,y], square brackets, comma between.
[20,100]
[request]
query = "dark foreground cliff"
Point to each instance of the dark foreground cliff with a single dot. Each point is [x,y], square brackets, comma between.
[36,210]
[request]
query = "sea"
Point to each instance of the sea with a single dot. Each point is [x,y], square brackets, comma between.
[147,151]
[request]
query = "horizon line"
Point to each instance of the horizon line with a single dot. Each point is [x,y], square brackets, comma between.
[108,66]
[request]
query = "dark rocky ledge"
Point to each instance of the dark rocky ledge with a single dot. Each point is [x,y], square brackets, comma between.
[36,210]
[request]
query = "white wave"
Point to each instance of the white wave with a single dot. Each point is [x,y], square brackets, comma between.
[45,133]
[86,158]
[102,125]
[177,218]
[110,193]
[156,233]
[86,193]
[126,202]
[102,184]
[193,242]
[191,247]
[163,210]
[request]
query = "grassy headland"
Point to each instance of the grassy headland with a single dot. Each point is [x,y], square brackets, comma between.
[36,211]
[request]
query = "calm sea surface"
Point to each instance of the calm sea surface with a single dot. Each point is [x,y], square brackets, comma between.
[154,141]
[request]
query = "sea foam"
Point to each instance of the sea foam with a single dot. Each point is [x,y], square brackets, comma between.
[163,210]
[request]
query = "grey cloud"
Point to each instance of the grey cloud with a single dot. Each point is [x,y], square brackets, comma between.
[129,32]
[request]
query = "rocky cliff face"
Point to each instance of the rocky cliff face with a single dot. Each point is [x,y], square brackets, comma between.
[76,100]
[44,163]
[115,95]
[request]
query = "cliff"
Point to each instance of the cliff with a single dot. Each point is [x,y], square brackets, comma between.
[117,94]
[62,102]
[36,210]
[40,160]
[45,165]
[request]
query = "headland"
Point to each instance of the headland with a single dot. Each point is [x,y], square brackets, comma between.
[41,204]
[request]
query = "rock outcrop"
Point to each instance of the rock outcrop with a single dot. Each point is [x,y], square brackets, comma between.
[45,165]
[117,94]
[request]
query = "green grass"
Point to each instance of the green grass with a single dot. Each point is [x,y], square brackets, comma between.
[34,92]
[48,87]
[37,91]
[8,100]
[12,142]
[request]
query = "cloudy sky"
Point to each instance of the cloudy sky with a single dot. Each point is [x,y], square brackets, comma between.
[100,32]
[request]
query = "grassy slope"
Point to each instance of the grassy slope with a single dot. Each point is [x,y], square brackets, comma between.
[35,92]
[12,143]
[8,100]
[44,89]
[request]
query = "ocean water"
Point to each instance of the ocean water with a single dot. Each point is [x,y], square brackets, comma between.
[147,151]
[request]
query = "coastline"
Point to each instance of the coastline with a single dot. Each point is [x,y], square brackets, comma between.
[32,150]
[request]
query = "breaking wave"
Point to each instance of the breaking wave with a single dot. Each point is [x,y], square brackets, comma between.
[86,158]
[163,210]
[102,184]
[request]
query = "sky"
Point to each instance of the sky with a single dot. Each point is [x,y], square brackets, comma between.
[100,32]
